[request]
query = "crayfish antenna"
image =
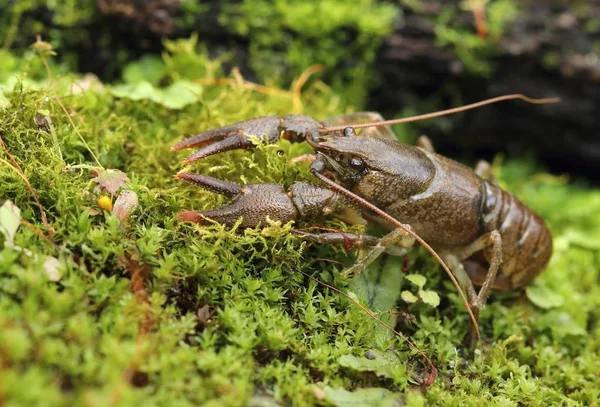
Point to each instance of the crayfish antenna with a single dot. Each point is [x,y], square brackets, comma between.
[442,112]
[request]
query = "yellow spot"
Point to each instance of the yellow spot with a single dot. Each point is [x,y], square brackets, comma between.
[105,203]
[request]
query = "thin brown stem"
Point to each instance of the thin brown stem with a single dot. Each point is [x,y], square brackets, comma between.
[244,83]
[38,233]
[299,83]
[478,10]
[17,169]
[50,79]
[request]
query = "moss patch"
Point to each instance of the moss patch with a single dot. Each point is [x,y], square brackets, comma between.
[285,38]
[278,40]
[160,312]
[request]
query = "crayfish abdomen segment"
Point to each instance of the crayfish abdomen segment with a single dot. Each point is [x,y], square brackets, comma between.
[527,243]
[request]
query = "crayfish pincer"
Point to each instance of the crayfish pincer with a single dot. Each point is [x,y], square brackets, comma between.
[485,235]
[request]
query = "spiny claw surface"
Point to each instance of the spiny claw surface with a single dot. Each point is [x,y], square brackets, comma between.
[258,126]
[234,136]
[252,202]
[230,137]
[231,142]
[219,186]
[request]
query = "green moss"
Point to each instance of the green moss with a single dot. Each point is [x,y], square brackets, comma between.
[282,38]
[29,17]
[474,51]
[93,338]
[287,37]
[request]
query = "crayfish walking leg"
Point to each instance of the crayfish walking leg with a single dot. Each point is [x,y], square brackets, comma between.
[397,238]
[454,260]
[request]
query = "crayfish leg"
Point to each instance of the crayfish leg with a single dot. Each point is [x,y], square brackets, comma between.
[349,240]
[425,143]
[398,239]
[484,170]
[454,262]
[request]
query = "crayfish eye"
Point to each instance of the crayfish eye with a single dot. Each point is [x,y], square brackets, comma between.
[349,131]
[356,163]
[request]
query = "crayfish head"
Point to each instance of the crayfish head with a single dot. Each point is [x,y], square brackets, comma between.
[336,156]
[371,165]
[346,156]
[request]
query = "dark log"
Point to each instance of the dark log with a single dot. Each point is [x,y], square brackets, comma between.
[550,49]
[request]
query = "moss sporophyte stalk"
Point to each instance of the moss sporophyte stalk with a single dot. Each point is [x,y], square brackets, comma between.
[95,310]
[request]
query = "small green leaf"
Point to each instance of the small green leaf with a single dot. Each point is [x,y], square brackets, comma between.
[149,68]
[417,279]
[175,96]
[139,91]
[384,364]
[352,295]
[561,323]
[407,296]
[377,286]
[544,297]
[179,95]
[430,297]
[584,238]
[10,219]
[369,397]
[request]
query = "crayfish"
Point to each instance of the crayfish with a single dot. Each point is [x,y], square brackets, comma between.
[484,235]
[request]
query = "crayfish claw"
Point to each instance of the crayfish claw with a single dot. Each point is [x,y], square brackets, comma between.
[198,140]
[231,142]
[219,186]
[234,136]
[267,126]
[255,203]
